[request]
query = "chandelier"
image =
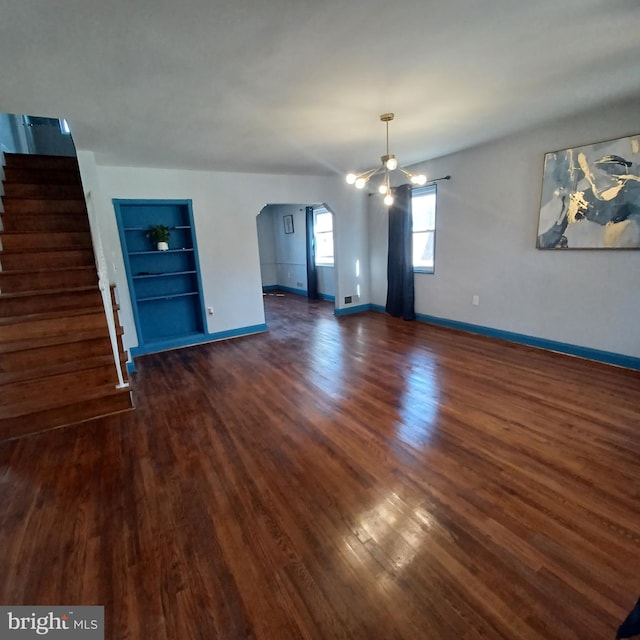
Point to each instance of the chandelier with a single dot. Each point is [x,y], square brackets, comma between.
[389,163]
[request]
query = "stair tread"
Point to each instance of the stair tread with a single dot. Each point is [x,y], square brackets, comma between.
[41,162]
[45,371]
[43,206]
[40,198]
[112,403]
[29,232]
[50,315]
[36,251]
[48,259]
[54,250]
[46,292]
[28,271]
[49,341]
[57,222]
[17,174]
[61,400]
[48,191]
[33,180]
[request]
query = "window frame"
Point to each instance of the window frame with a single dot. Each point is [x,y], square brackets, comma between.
[417,192]
[323,262]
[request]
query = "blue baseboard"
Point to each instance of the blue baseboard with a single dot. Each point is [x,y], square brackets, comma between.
[131,367]
[608,357]
[195,339]
[299,292]
[236,333]
[349,310]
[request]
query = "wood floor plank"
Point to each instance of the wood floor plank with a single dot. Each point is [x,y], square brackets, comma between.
[358,477]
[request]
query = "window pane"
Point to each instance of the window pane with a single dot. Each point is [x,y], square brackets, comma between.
[423,206]
[323,229]
[424,212]
[423,249]
[324,222]
[324,247]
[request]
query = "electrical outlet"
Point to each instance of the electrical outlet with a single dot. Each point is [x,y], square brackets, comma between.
[299,284]
[348,299]
[210,310]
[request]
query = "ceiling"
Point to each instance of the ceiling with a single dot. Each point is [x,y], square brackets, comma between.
[297,86]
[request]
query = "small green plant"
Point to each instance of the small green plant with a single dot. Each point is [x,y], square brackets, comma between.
[159,233]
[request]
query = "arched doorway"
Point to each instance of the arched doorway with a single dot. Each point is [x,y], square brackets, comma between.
[281,232]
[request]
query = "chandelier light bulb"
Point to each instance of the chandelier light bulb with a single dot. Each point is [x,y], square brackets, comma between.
[419,179]
[360,182]
[392,163]
[388,199]
[351,178]
[382,188]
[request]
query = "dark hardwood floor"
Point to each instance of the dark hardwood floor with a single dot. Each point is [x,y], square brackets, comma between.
[360,477]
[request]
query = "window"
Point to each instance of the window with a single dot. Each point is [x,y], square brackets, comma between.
[323,230]
[423,205]
[64,127]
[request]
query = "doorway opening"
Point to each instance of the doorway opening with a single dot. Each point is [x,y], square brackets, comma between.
[282,243]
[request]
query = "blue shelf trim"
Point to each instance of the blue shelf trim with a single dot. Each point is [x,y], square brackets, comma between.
[195,339]
[164,275]
[155,252]
[179,226]
[608,357]
[119,205]
[169,296]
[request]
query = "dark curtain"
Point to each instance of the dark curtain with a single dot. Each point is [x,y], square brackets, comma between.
[400,294]
[312,272]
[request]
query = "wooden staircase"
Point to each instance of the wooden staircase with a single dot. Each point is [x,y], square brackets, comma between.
[56,359]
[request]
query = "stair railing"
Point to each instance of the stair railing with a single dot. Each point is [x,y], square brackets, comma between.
[105,287]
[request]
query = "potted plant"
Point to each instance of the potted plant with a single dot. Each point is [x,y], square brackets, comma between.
[160,235]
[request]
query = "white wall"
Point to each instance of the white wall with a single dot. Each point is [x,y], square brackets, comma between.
[326,280]
[486,227]
[225,206]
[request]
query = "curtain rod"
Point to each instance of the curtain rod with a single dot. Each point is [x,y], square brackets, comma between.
[426,184]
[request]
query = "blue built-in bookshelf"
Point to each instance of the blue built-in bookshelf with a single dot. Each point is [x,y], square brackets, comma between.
[165,286]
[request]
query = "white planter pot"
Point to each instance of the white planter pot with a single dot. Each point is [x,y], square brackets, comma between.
[163,246]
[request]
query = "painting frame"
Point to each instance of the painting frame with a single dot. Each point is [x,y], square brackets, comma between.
[287,222]
[591,196]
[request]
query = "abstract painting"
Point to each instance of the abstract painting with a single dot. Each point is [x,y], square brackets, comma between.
[591,197]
